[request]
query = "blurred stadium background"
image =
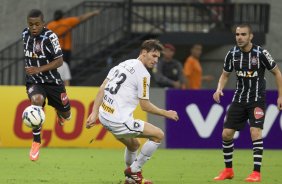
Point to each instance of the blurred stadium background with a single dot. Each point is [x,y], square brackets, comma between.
[191,152]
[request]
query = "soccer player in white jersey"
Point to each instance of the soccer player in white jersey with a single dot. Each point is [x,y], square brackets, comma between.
[125,86]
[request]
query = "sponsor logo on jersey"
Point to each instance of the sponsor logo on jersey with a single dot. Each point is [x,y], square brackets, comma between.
[30,90]
[247,73]
[144,86]
[55,42]
[64,98]
[258,113]
[30,54]
[107,108]
[268,56]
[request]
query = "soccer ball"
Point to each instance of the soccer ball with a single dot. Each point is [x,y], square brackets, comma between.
[33,116]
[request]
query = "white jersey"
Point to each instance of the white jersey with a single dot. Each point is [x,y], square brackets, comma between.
[128,82]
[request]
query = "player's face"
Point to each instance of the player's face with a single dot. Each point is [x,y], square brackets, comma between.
[196,51]
[35,25]
[243,37]
[151,58]
[168,53]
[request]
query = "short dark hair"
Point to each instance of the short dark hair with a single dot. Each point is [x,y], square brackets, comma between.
[247,26]
[35,13]
[152,45]
[58,14]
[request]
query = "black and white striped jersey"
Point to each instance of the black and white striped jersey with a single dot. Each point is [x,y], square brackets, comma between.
[250,69]
[41,50]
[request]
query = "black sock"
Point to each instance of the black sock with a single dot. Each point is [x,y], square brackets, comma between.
[257,154]
[227,148]
[36,135]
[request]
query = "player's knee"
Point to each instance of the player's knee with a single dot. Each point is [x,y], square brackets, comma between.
[159,136]
[132,145]
[37,99]
[227,135]
[256,133]
[135,146]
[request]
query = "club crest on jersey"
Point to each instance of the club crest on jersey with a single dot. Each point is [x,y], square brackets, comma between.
[37,47]
[136,125]
[254,60]
[247,73]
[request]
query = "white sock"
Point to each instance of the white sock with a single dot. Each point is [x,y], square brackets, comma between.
[129,156]
[145,154]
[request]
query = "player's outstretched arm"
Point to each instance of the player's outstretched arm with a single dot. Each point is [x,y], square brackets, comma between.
[221,84]
[278,77]
[147,106]
[87,15]
[95,110]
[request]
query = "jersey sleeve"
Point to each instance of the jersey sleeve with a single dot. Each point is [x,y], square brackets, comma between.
[267,60]
[143,85]
[53,46]
[228,65]
[111,73]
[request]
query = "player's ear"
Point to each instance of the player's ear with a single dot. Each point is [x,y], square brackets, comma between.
[143,51]
[251,36]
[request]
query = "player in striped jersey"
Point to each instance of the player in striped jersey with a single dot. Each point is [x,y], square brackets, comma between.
[249,62]
[43,55]
[125,86]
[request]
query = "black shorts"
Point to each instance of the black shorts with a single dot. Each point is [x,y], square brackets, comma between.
[56,95]
[239,113]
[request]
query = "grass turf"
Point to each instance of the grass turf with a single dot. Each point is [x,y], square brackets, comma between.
[105,166]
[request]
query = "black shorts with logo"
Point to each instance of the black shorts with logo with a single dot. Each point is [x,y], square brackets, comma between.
[239,113]
[56,95]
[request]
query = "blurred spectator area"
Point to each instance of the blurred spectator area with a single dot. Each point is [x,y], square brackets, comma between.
[115,35]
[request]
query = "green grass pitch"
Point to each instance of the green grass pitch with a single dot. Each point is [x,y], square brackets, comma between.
[105,166]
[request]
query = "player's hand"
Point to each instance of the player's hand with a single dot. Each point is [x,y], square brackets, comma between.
[172,115]
[32,70]
[177,84]
[279,103]
[91,120]
[217,95]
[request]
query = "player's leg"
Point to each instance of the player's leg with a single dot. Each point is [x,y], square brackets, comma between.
[227,149]
[37,98]
[235,120]
[136,128]
[131,149]
[155,135]
[256,114]
[57,98]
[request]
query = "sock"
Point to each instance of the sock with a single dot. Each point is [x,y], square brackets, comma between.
[129,156]
[36,135]
[145,154]
[257,154]
[227,148]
